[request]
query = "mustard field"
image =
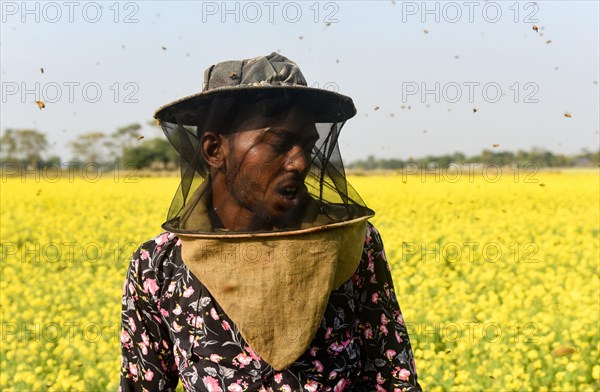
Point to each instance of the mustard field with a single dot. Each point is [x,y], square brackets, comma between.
[497,277]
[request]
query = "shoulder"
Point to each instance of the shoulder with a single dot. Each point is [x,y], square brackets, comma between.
[372,238]
[159,246]
[155,256]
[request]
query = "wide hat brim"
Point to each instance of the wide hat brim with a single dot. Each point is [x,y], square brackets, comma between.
[327,106]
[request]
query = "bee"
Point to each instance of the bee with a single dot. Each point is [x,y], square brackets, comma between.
[495,145]
[376,108]
[163,48]
[426,31]
[42,70]
[535,28]
[568,115]
[547,42]
[40,104]
[563,351]
[140,137]
[474,110]
[301,37]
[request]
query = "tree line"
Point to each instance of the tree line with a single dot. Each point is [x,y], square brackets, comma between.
[536,156]
[29,147]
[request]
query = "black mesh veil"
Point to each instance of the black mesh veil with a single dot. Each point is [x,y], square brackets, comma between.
[328,197]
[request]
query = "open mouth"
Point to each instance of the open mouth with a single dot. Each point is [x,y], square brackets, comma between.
[289,192]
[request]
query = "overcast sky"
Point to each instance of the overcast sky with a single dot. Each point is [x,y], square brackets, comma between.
[108,64]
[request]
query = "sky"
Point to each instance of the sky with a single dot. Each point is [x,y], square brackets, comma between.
[444,76]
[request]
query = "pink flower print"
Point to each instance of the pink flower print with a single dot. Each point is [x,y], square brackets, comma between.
[243,359]
[225,325]
[212,384]
[311,386]
[213,314]
[215,358]
[125,338]
[144,254]
[164,312]
[149,375]
[346,342]
[145,339]
[336,347]
[144,349]
[176,327]
[253,355]
[171,287]
[150,286]
[333,375]
[131,324]
[286,388]
[374,298]
[383,329]
[161,239]
[384,320]
[177,310]
[403,375]
[328,333]
[379,378]
[371,266]
[339,387]
[235,388]
[131,288]
[313,351]
[318,366]
[380,388]
[398,338]
[133,369]
[400,319]
[369,333]
[278,377]
[390,354]
[188,292]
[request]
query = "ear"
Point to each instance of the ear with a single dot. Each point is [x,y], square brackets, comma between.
[214,148]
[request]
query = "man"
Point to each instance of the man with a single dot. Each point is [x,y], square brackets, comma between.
[269,276]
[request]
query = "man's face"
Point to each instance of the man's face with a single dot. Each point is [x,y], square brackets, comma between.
[266,164]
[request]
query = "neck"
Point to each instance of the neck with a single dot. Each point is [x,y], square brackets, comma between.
[231,214]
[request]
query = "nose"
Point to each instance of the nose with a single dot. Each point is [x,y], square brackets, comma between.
[298,159]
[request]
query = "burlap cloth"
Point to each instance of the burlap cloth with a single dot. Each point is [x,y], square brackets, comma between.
[273,285]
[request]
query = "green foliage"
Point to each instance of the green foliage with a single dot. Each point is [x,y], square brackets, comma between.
[23,146]
[149,152]
[537,157]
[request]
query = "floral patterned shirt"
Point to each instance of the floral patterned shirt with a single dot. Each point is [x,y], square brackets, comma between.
[172,328]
